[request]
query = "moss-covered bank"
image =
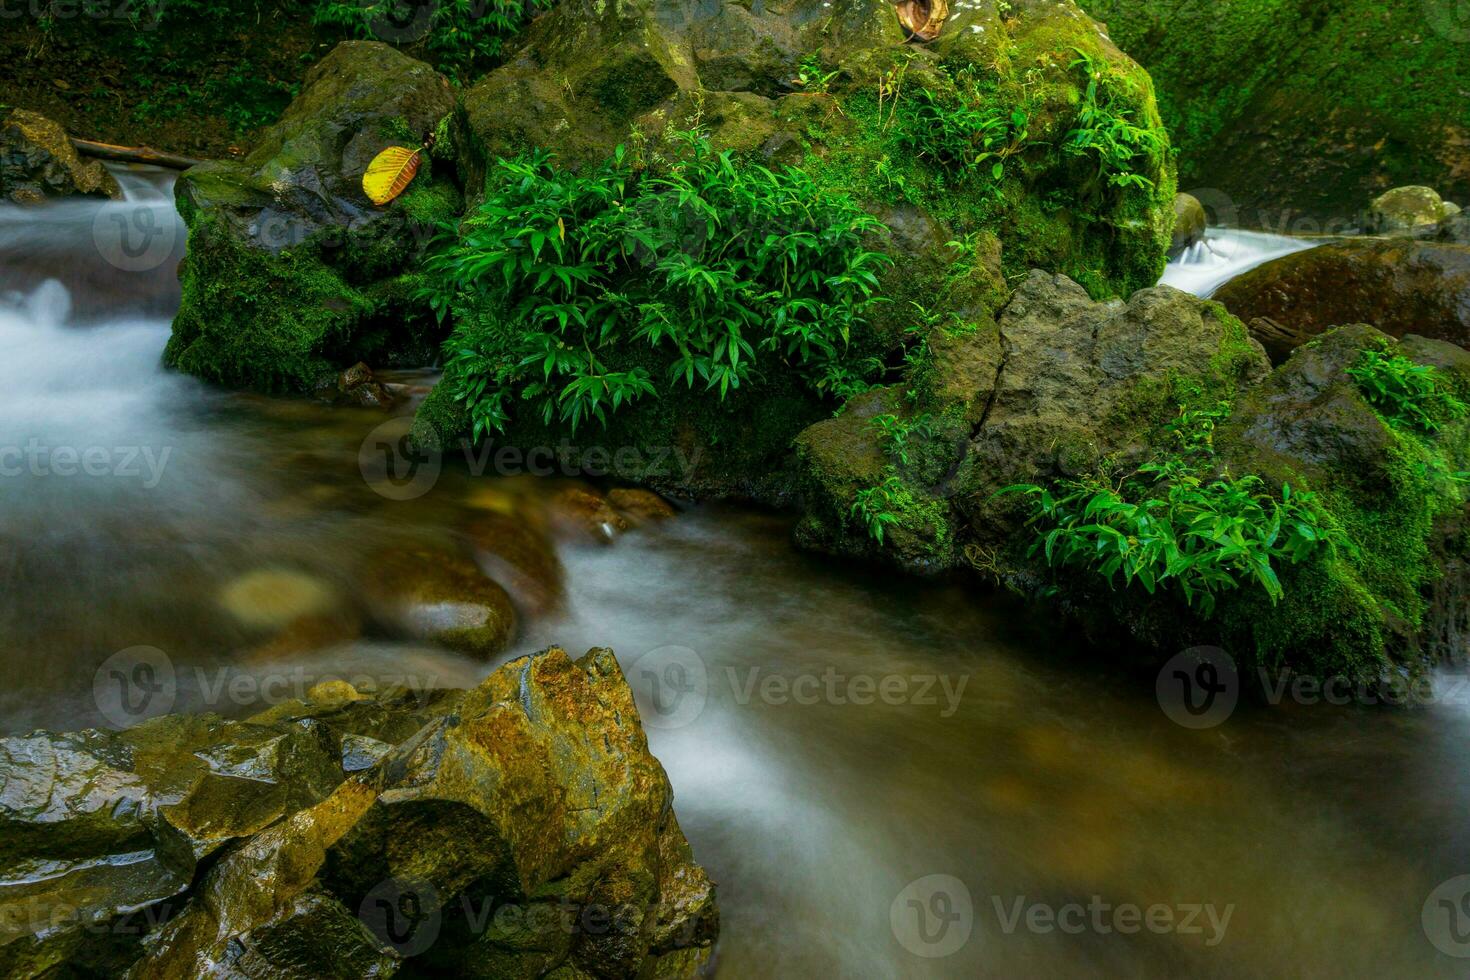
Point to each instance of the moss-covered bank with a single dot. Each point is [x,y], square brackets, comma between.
[1305,109]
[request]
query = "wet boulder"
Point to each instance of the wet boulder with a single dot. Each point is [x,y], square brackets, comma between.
[1455,229]
[1384,598]
[98,826]
[518,829]
[1399,286]
[38,161]
[292,274]
[440,597]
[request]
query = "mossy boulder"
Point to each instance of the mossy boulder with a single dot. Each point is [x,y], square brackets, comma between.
[1405,210]
[1377,603]
[518,829]
[1400,286]
[291,273]
[840,91]
[801,84]
[38,161]
[1051,388]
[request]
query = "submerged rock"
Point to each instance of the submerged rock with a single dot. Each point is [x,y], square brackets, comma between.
[37,161]
[1400,286]
[585,515]
[356,386]
[520,558]
[640,506]
[518,829]
[292,274]
[440,597]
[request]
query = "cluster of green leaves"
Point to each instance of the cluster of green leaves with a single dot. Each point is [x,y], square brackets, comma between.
[882,506]
[1108,133]
[1176,522]
[459,36]
[1405,392]
[704,270]
[894,433]
[968,128]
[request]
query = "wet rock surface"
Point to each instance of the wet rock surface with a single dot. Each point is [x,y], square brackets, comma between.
[1399,286]
[38,161]
[518,829]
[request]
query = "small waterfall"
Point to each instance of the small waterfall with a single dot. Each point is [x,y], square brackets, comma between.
[1224,254]
[112,257]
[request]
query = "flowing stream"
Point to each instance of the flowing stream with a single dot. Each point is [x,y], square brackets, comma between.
[835,737]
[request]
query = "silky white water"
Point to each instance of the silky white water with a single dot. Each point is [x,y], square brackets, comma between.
[1224,254]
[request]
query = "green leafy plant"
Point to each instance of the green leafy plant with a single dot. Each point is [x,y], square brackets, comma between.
[1174,523]
[1109,134]
[967,129]
[879,507]
[895,432]
[1406,393]
[596,289]
[812,76]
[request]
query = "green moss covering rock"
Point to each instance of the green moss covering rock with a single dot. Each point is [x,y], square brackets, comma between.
[837,92]
[519,829]
[1398,494]
[1295,113]
[291,273]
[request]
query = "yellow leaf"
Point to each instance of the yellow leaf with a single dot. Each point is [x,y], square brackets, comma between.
[562,228]
[389,173]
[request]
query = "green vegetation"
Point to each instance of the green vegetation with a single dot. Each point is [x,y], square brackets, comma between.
[601,288]
[966,128]
[1406,394]
[1308,105]
[1173,522]
[1106,130]
[459,37]
[1071,182]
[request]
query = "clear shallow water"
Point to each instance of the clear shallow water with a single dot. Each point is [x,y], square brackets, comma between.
[1224,254]
[1038,776]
